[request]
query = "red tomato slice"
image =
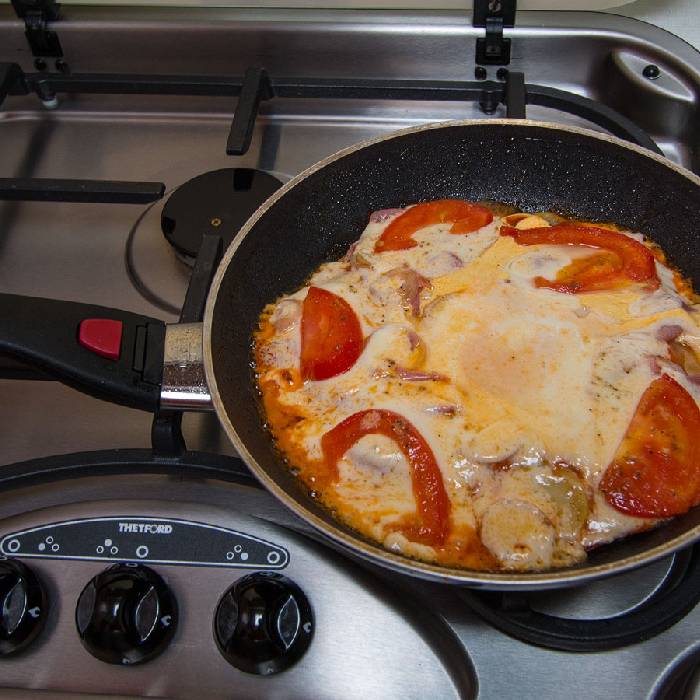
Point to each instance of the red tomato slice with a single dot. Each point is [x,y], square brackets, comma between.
[656,471]
[331,335]
[622,260]
[465,217]
[432,502]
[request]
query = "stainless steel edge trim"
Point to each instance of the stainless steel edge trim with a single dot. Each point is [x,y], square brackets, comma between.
[184,382]
[375,553]
[78,19]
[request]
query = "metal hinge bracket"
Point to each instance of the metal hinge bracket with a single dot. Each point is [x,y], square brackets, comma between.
[36,14]
[494,15]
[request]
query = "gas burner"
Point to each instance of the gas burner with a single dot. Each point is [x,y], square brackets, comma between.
[219,200]
[607,614]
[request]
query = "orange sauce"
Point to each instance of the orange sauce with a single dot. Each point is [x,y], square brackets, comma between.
[463,548]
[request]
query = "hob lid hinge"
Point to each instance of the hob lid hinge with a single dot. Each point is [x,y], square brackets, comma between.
[494,15]
[36,15]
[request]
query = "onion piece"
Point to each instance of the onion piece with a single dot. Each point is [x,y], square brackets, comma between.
[443,410]
[408,375]
[287,315]
[412,284]
[654,365]
[668,332]
[350,251]
[413,375]
[414,340]
[381,215]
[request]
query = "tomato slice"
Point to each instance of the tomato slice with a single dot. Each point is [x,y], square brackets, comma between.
[656,471]
[465,217]
[432,502]
[331,335]
[622,260]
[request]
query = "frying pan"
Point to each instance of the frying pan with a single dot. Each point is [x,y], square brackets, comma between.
[314,218]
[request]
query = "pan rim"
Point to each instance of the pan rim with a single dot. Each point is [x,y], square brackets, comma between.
[375,552]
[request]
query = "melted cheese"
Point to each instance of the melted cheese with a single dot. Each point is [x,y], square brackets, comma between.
[537,389]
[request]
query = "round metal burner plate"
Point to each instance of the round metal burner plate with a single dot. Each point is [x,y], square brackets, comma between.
[219,201]
[159,271]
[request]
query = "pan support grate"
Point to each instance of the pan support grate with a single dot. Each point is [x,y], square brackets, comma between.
[512,613]
[256,86]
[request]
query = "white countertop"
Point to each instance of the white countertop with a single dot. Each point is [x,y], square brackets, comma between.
[682,17]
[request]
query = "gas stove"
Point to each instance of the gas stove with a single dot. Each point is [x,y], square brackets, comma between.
[220,591]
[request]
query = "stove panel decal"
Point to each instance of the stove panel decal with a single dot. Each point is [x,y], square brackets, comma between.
[154,540]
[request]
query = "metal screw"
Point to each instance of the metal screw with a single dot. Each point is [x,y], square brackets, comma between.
[215,222]
[502,73]
[62,66]
[651,72]
[480,73]
[39,64]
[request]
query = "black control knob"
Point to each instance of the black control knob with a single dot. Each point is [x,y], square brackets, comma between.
[126,615]
[263,623]
[23,607]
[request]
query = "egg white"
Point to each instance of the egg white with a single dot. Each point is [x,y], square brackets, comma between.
[543,381]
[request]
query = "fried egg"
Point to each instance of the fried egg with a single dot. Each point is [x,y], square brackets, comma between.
[522,393]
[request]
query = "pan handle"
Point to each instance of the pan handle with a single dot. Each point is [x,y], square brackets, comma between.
[110,354]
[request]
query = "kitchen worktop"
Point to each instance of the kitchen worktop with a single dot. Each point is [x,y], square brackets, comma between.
[682,17]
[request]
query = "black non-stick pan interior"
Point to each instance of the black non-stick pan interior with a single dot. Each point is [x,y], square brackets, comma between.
[533,167]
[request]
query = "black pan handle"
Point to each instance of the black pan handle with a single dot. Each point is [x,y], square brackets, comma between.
[110,354]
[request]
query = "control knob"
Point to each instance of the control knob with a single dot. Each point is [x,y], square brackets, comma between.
[126,615]
[23,607]
[263,623]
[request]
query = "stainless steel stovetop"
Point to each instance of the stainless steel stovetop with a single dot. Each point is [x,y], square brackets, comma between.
[373,636]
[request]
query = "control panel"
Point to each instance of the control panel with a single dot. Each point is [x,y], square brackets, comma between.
[126,614]
[154,540]
[157,597]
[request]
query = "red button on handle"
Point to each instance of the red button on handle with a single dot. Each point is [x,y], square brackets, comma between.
[103,336]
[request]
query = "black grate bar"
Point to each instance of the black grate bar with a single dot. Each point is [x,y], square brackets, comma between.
[616,123]
[11,80]
[124,84]
[197,465]
[85,191]
[120,84]
[457,91]
[206,264]
[256,87]
[515,95]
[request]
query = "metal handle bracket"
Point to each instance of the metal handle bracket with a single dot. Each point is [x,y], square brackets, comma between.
[36,14]
[494,15]
[184,383]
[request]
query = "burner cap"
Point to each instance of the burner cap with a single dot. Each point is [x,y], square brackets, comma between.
[220,200]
